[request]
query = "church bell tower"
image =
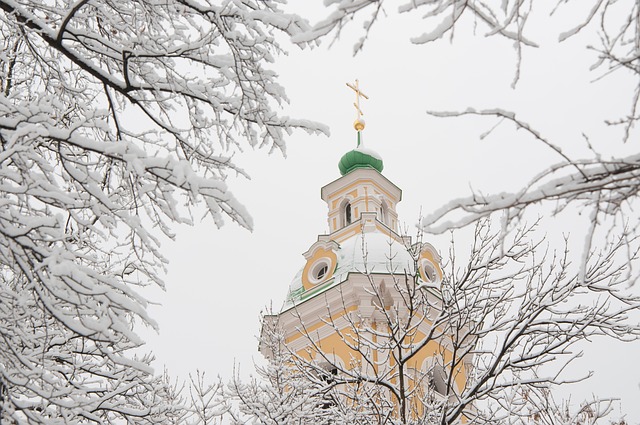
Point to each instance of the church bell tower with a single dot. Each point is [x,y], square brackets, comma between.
[355,286]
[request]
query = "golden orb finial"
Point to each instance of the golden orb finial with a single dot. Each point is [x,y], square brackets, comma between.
[359,122]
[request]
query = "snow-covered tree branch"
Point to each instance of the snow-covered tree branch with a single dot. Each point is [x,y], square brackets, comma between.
[115,119]
[600,184]
[502,330]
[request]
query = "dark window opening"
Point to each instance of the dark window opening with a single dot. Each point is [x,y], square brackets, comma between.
[347,214]
[322,272]
[329,376]
[437,381]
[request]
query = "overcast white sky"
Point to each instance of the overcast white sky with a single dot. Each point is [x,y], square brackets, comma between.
[220,280]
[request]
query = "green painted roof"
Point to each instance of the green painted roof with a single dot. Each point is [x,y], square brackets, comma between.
[356,158]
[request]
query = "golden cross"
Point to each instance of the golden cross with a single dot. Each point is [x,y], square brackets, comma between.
[359,94]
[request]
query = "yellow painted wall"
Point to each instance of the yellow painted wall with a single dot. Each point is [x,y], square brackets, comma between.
[333,344]
[317,255]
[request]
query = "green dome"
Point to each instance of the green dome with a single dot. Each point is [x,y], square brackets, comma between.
[359,158]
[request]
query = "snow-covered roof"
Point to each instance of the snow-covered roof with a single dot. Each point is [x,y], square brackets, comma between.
[369,152]
[374,252]
[360,157]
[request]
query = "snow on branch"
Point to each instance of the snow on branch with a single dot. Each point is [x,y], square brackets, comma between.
[605,185]
[441,17]
[116,120]
[489,344]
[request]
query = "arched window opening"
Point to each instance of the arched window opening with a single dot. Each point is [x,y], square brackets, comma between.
[437,379]
[345,211]
[328,375]
[384,212]
[347,214]
[435,376]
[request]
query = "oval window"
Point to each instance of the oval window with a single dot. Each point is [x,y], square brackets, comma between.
[428,272]
[319,271]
